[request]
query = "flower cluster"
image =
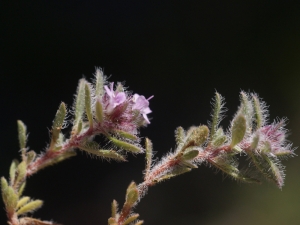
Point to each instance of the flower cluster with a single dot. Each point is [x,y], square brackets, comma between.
[111,108]
[124,111]
[116,98]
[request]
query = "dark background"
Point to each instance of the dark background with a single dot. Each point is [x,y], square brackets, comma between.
[178,51]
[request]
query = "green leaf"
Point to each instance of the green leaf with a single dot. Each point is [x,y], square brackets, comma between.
[277,170]
[30,156]
[59,117]
[58,123]
[114,209]
[218,141]
[21,189]
[258,112]
[80,102]
[125,145]
[197,136]
[228,165]
[238,129]
[179,136]
[175,172]
[132,194]
[89,145]
[13,170]
[88,104]
[22,134]
[246,109]
[127,135]
[93,148]
[30,207]
[190,155]
[270,167]
[21,173]
[219,138]
[111,154]
[255,141]
[10,198]
[4,189]
[23,201]
[79,127]
[216,114]
[132,186]
[131,218]
[100,81]
[112,221]
[99,111]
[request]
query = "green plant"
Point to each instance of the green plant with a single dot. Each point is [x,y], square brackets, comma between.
[108,110]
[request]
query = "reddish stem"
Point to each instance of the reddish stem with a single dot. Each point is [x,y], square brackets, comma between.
[207,154]
[50,154]
[124,214]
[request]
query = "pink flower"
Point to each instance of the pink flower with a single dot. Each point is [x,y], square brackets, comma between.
[141,104]
[115,99]
[275,135]
[116,107]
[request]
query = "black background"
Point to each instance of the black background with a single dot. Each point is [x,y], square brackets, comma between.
[179,51]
